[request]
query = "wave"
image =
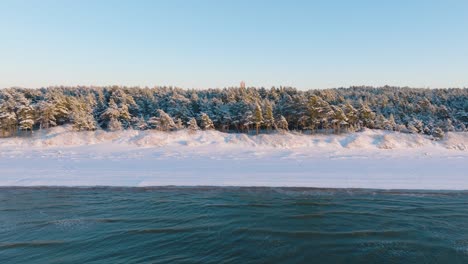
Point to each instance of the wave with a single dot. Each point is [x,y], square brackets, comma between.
[37,243]
[322,234]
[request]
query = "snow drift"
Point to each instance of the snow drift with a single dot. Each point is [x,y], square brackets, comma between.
[368,159]
[367,139]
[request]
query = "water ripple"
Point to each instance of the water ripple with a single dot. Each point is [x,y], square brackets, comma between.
[231,225]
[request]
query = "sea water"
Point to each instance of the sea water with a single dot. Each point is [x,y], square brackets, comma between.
[231,225]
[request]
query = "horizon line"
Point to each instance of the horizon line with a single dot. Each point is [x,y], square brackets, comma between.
[225,87]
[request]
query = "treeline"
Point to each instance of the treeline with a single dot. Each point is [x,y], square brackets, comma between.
[246,110]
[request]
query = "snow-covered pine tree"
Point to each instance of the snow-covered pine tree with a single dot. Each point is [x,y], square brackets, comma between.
[339,119]
[205,122]
[380,121]
[235,108]
[17,103]
[268,118]
[415,126]
[179,124]
[25,117]
[390,124]
[125,116]
[438,133]
[247,120]
[110,117]
[62,106]
[366,116]
[352,116]
[8,118]
[320,113]
[282,123]
[46,112]
[114,125]
[82,116]
[192,125]
[138,123]
[258,117]
[448,125]
[153,122]
[166,122]
[410,128]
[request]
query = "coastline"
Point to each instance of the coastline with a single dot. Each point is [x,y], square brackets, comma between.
[370,159]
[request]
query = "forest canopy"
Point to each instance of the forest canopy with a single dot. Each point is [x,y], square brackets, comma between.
[244,110]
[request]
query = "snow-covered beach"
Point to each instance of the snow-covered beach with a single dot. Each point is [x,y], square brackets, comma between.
[369,159]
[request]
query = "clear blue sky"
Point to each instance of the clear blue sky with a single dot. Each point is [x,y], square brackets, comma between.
[200,44]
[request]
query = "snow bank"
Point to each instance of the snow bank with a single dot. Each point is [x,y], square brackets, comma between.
[368,159]
[367,139]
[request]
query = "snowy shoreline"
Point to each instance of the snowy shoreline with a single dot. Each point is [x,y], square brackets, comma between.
[371,159]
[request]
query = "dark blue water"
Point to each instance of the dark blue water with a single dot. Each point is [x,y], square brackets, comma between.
[231,225]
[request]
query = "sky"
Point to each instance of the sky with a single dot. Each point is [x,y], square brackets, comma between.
[217,43]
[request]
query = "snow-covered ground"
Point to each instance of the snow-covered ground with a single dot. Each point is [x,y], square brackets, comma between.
[369,159]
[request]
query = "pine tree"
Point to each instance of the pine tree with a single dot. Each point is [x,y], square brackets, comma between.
[420,109]
[82,116]
[366,116]
[247,120]
[125,116]
[438,133]
[153,122]
[138,123]
[268,118]
[352,116]
[282,123]
[61,106]
[448,125]
[320,113]
[8,118]
[166,122]
[390,124]
[110,117]
[380,121]
[26,117]
[114,125]
[258,117]
[192,125]
[46,112]
[179,124]
[339,119]
[205,122]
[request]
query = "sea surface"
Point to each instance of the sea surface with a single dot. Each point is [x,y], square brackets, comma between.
[231,225]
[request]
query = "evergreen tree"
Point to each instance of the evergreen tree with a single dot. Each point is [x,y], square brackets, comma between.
[46,112]
[320,113]
[61,106]
[366,116]
[438,133]
[138,123]
[153,122]
[352,116]
[268,118]
[125,116]
[179,124]
[391,108]
[282,123]
[258,117]
[192,125]
[166,122]
[339,119]
[8,118]
[82,116]
[390,125]
[110,117]
[25,117]
[205,122]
